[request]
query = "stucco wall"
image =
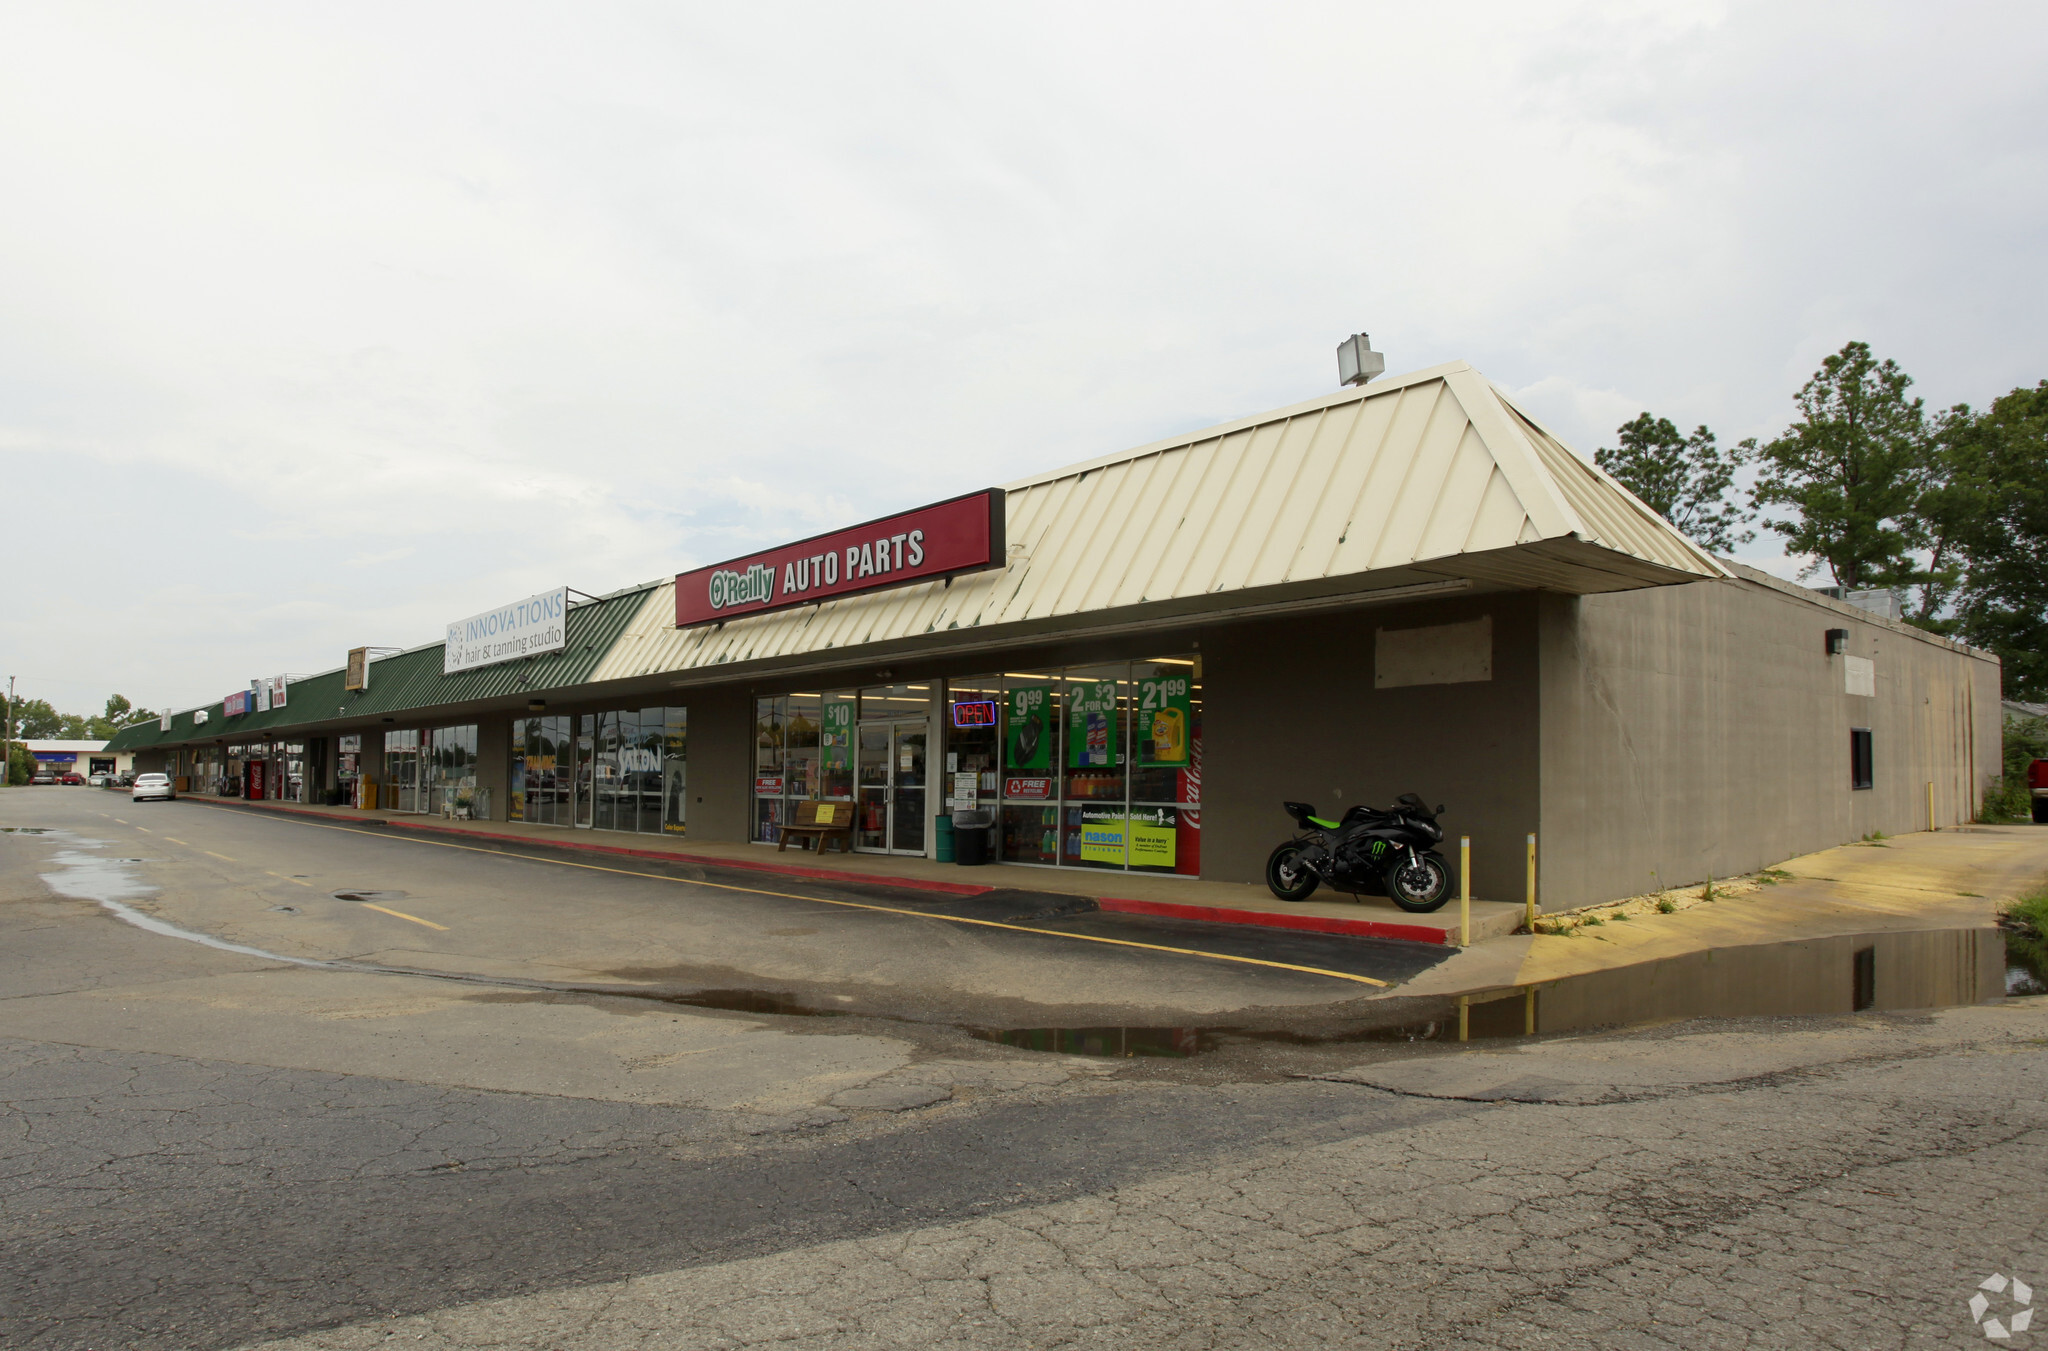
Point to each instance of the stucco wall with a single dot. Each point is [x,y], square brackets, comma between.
[721,763]
[1290,712]
[494,762]
[1703,729]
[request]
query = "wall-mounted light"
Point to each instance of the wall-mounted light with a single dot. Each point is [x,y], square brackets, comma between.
[536,705]
[1838,642]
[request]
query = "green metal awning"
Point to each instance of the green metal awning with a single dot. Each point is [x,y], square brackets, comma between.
[411,682]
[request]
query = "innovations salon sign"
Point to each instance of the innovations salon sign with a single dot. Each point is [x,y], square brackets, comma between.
[524,628]
[964,534]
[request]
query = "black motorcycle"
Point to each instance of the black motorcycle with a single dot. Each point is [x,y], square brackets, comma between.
[1389,853]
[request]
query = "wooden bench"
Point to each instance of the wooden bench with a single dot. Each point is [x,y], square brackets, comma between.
[820,821]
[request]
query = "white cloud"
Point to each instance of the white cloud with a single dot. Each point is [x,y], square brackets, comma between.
[369,317]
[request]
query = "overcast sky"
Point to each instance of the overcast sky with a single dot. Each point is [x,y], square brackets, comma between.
[325,325]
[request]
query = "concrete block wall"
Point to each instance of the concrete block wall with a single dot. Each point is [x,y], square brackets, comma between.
[1703,729]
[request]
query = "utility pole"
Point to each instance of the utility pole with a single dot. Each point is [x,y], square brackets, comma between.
[7,737]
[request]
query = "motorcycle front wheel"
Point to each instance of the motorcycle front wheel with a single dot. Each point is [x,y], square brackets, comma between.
[1419,886]
[1287,879]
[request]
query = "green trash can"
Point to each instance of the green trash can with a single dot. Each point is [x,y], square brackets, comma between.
[945,839]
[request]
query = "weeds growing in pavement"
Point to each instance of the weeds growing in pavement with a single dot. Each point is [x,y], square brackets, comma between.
[1665,905]
[2025,922]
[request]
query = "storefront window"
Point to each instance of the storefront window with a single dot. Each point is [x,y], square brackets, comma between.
[626,769]
[803,751]
[1096,767]
[401,772]
[450,761]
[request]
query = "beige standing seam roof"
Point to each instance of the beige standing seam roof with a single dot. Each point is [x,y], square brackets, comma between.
[1433,481]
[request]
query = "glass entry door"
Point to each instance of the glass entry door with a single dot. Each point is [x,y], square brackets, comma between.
[890,771]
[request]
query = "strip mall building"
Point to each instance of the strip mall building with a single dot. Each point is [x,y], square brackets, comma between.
[1129,663]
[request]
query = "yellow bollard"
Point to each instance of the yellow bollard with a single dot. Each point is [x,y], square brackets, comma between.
[1930,806]
[1529,1012]
[1464,891]
[1532,884]
[1464,1017]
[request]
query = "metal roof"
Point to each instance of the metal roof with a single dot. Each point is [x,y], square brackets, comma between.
[1432,477]
[411,682]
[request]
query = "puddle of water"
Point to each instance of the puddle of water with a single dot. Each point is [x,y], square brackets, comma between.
[112,883]
[1812,977]
[749,1001]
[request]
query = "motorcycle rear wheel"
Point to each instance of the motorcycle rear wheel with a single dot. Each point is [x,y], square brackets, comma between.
[1284,879]
[1421,886]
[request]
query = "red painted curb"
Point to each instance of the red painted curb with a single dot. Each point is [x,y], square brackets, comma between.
[1323,924]
[620,851]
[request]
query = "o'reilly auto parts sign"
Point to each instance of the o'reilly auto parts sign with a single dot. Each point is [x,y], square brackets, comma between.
[525,628]
[964,534]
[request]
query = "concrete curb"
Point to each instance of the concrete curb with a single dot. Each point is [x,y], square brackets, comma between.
[1433,935]
[620,851]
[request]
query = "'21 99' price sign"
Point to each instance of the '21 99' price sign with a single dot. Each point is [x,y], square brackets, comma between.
[1166,720]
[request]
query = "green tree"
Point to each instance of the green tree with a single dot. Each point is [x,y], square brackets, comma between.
[2000,521]
[1853,468]
[1684,479]
[2009,798]
[35,720]
[1958,492]
[120,713]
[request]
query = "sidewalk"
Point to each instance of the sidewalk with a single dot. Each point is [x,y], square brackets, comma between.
[1126,893]
[1949,879]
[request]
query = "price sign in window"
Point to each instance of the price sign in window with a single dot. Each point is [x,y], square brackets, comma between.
[1165,720]
[1029,743]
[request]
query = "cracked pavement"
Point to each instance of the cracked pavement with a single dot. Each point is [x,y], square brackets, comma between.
[206,1149]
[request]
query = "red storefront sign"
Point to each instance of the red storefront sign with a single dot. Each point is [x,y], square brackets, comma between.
[1027,788]
[964,534]
[236,704]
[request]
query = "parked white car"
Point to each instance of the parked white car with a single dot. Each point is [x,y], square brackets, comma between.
[97,780]
[153,786]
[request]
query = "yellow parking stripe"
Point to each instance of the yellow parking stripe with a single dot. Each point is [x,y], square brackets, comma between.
[850,905]
[297,882]
[400,914]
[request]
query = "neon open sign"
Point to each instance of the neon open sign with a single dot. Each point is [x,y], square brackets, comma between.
[974,713]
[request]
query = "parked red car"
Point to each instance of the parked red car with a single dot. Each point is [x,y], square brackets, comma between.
[74,780]
[2037,783]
